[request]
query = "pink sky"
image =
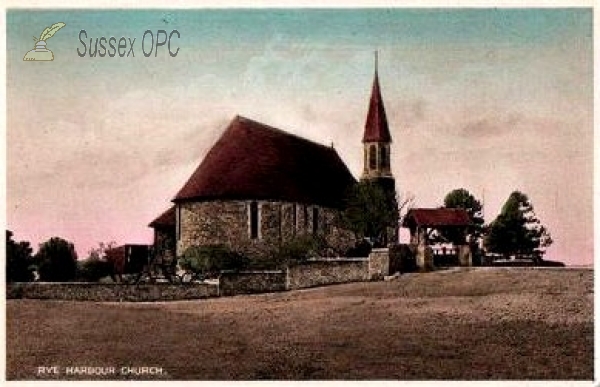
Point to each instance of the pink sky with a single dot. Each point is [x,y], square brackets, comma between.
[97,147]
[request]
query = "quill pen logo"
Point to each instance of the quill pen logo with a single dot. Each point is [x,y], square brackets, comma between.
[40,52]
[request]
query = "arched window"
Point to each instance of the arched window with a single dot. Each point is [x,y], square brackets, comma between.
[372,157]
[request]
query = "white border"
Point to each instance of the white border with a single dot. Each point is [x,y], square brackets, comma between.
[161,4]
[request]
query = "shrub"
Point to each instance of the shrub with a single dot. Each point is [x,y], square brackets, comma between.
[15,291]
[93,269]
[203,262]
[296,250]
[360,250]
[106,280]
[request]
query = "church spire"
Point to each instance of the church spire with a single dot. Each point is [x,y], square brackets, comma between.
[376,62]
[377,143]
[376,127]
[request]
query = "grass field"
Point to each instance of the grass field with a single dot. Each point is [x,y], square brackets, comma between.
[500,323]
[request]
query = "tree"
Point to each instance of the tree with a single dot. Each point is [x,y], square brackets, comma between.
[19,261]
[93,269]
[461,198]
[370,212]
[100,251]
[57,260]
[517,230]
[96,266]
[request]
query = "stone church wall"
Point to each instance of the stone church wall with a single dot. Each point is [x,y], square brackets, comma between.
[164,246]
[227,222]
[210,223]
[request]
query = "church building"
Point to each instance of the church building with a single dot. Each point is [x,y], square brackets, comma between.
[259,186]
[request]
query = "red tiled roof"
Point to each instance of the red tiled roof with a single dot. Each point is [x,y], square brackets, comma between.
[165,220]
[436,217]
[255,161]
[376,127]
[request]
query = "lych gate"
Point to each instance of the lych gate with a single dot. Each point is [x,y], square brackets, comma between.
[423,222]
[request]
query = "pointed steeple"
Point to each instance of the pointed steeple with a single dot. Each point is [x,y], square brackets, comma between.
[377,148]
[376,127]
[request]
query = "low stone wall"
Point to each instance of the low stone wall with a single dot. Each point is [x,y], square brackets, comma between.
[325,272]
[81,291]
[246,282]
[309,274]
[379,263]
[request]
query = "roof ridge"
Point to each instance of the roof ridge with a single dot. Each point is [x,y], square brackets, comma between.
[437,208]
[281,131]
[304,170]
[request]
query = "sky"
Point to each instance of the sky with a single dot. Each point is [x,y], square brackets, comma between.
[491,100]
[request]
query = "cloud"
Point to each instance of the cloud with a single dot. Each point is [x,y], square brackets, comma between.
[490,126]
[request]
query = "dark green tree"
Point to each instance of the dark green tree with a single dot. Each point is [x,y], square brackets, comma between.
[57,260]
[370,212]
[19,261]
[461,198]
[517,231]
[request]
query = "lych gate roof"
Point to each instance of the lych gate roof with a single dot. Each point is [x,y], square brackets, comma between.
[256,161]
[437,217]
[165,220]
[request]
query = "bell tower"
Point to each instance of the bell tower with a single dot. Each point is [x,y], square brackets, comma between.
[377,141]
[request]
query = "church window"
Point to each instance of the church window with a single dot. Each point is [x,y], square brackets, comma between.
[294,218]
[280,220]
[385,160]
[305,217]
[254,220]
[178,223]
[372,157]
[315,220]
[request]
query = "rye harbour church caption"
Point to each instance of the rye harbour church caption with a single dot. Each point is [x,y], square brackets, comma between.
[250,198]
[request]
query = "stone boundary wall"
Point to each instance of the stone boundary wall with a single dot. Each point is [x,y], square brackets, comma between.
[379,263]
[84,291]
[317,272]
[247,282]
[327,271]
